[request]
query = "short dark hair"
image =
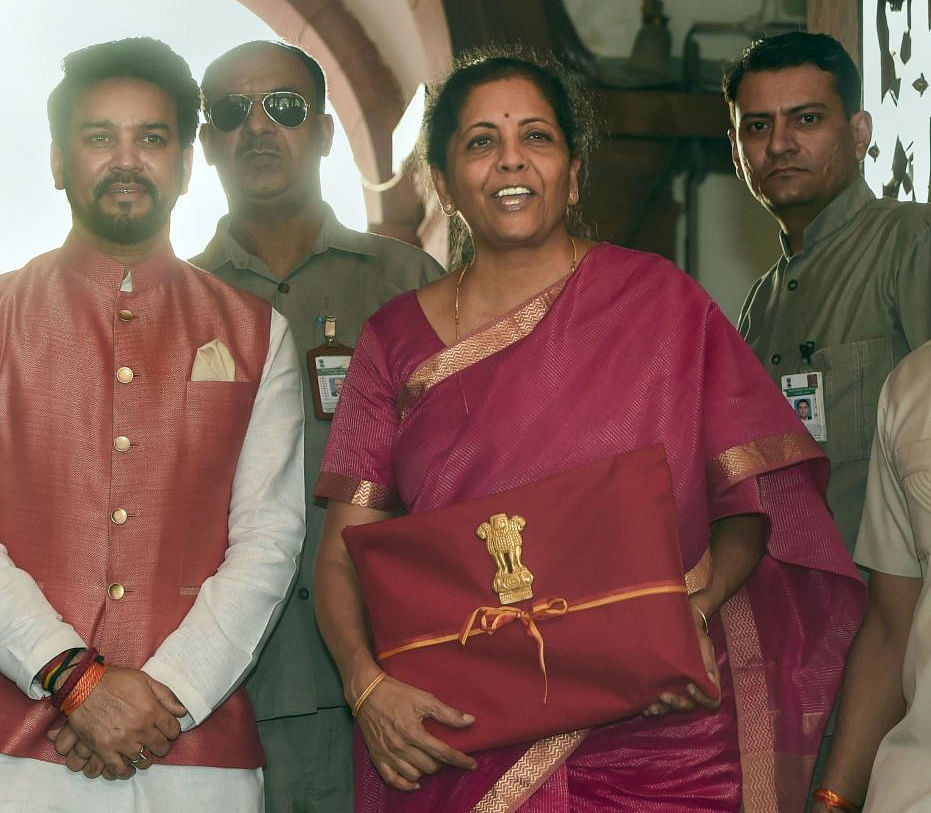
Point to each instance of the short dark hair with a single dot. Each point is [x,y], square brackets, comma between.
[135,58]
[317,103]
[791,50]
[446,99]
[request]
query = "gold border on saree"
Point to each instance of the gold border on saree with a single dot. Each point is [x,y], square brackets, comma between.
[511,328]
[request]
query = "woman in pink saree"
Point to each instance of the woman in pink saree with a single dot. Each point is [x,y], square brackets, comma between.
[544,353]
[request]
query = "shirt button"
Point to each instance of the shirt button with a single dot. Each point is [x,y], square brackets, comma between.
[125,315]
[118,516]
[793,284]
[284,287]
[124,375]
[116,591]
[121,443]
[775,359]
[303,594]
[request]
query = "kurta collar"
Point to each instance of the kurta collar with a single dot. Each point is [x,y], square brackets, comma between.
[223,247]
[837,214]
[105,271]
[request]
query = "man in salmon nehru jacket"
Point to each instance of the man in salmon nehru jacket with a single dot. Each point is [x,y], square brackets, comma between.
[151,474]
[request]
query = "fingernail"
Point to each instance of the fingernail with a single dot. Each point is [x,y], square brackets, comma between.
[468,718]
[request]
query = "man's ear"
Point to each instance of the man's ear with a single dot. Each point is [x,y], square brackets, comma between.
[187,162]
[861,124]
[57,163]
[324,123]
[735,153]
[204,135]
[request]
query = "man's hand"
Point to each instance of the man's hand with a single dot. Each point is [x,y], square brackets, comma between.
[126,712]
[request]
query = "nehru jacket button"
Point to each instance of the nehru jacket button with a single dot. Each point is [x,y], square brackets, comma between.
[284,287]
[125,315]
[121,443]
[793,284]
[116,591]
[118,516]
[303,594]
[775,359]
[124,375]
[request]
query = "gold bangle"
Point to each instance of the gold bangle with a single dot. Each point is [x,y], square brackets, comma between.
[704,618]
[367,691]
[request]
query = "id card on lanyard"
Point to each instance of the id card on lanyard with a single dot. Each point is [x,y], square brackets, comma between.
[805,394]
[328,364]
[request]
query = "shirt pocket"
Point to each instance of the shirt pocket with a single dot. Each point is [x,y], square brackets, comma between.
[853,377]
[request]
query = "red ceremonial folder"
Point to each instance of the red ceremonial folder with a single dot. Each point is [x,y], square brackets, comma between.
[608,627]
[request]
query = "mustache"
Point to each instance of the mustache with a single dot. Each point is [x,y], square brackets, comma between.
[124,178]
[261,143]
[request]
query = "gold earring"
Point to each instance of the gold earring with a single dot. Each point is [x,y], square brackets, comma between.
[449,209]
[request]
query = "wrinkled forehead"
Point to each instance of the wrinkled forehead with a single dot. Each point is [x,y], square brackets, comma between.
[785,89]
[123,101]
[258,68]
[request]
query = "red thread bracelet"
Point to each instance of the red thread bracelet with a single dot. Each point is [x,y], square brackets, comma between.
[834,801]
[76,674]
[84,687]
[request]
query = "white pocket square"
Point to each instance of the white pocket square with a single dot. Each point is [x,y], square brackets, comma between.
[213,362]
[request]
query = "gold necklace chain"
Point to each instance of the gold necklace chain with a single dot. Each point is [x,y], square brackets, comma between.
[468,265]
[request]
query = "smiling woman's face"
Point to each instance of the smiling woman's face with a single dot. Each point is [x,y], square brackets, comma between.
[508,171]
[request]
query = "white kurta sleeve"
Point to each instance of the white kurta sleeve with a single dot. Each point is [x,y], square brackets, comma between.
[218,641]
[31,632]
[885,542]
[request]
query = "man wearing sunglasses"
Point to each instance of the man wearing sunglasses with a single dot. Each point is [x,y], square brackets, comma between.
[151,473]
[266,134]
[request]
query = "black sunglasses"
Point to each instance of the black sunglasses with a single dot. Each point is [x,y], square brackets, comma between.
[284,107]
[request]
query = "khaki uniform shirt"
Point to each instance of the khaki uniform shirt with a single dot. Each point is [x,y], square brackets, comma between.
[349,275]
[895,538]
[861,292]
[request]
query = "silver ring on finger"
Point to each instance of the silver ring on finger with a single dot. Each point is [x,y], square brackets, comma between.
[137,758]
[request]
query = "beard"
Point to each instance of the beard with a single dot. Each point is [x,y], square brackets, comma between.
[121,227]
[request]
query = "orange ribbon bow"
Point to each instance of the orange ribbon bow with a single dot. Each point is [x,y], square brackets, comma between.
[490,619]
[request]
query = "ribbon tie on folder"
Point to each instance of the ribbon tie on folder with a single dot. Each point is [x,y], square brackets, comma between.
[490,619]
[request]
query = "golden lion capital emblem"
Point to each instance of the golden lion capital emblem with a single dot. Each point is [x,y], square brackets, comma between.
[502,538]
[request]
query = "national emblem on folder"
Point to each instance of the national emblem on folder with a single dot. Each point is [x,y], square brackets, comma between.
[503,540]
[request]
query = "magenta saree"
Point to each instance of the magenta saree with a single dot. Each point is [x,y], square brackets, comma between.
[624,353]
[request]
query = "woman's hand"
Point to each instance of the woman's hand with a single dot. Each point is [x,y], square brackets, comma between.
[402,750]
[391,714]
[696,697]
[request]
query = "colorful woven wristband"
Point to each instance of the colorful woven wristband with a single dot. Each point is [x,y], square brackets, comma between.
[57,667]
[51,668]
[76,674]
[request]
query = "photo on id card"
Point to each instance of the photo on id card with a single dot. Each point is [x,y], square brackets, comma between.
[805,394]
